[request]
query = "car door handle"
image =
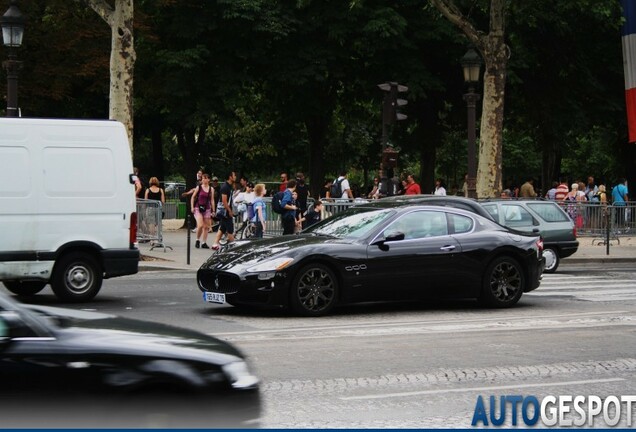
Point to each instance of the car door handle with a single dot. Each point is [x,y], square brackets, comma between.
[447,248]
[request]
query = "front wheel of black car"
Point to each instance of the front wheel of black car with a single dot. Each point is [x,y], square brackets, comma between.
[551,260]
[25,288]
[504,282]
[314,290]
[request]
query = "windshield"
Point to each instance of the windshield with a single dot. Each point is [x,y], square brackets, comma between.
[354,223]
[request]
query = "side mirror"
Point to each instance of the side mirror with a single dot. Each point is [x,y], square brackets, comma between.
[391,237]
[395,236]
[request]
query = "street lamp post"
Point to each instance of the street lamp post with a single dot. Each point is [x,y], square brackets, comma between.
[471,64]
[12,23]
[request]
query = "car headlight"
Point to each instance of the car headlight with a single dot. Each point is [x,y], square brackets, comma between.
[239,375]
[273,265]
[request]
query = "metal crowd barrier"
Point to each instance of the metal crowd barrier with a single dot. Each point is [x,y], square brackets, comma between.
[274,226]
[596,219]
[149,223]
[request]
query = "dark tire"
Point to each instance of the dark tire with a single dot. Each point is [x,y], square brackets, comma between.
[25,288]
[552,260]
[77,277]
[503,283]
[314,291]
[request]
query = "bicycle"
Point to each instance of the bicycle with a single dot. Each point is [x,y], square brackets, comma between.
[247,230]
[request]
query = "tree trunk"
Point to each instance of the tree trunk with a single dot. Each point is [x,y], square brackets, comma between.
[489,168]
[157,152]
[122,59]
[317,133]
[495,54]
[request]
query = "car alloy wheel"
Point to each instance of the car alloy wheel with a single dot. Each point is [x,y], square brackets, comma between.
[504,283]
[314,290]
[551,260]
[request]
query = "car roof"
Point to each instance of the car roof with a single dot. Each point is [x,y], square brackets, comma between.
[457,202]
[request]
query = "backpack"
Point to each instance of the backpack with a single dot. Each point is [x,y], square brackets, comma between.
[250,211]
[336,189]
[276,203]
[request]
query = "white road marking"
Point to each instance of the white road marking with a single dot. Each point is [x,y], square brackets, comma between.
[480,389]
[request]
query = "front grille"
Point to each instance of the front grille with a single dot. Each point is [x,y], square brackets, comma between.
[228,283]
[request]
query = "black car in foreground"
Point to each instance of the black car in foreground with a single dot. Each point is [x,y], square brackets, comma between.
[61,368]
[380,251]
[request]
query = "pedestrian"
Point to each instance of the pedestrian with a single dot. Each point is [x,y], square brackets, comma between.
[411,188]
[313,216]
[302,189]
[154,192]
[620,200]
[140,184]
[374,189]
[260,210]
[527,189]
[340,187]
[562,190]
[224,211]
[288,218]
[573,198]
[591,190]
[283,182]
[505,194]
[202,205]
[439,188]
[551,194]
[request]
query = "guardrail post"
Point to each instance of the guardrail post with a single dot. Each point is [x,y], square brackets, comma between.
[188,241]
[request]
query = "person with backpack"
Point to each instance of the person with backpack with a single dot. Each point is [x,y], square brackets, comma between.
[224,211]
[260,210]
[288,215]
[340,187]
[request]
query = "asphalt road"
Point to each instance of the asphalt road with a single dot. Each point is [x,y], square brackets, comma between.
[412,365]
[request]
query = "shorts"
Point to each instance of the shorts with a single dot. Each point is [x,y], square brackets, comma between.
[226,225]
[206,215]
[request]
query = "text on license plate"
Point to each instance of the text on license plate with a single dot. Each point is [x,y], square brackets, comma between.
[213,297]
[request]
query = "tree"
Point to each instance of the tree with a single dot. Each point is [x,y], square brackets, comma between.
[122,59]
[495,53]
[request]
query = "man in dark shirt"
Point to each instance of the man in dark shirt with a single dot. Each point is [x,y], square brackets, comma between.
[288,218]
[226,217]
[313,216]
[302,189]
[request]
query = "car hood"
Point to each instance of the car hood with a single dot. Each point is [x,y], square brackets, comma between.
[104,333]
[245,253]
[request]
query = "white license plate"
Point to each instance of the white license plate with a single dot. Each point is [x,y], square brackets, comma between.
[213,297]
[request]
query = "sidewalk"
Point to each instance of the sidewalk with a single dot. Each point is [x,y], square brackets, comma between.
[176,259]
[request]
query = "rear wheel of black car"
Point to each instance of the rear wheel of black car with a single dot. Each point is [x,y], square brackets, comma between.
[504,282]
[551,260]
[25,288]
[77,277]
[314,290]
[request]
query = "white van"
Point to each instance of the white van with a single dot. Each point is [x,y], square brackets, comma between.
[67,206]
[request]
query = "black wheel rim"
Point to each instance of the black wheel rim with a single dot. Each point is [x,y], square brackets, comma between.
[316,290]
[505,281]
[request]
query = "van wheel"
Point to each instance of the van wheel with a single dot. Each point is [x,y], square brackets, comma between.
[77,277]
[25,288]
[551,260]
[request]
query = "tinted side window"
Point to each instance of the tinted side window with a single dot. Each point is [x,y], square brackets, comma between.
[549,212]
[461,223]
[419,224]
